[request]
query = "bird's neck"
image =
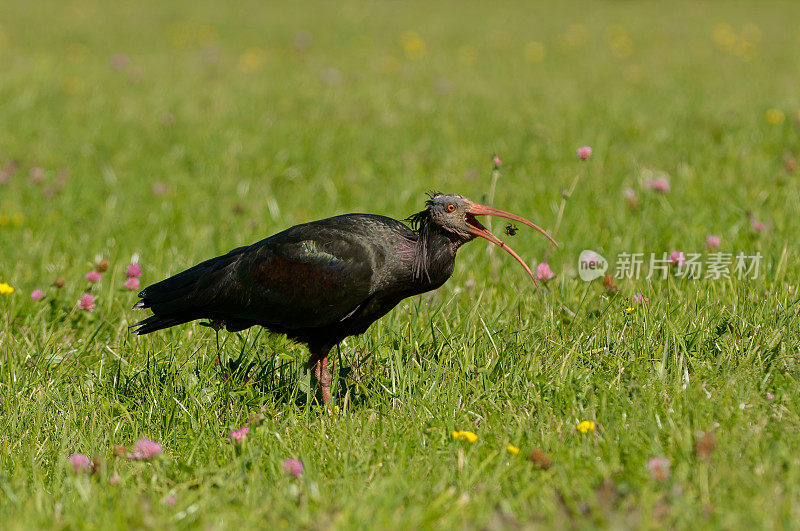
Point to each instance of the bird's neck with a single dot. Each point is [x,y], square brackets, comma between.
[434,256]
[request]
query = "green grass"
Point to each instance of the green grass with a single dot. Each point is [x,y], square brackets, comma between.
[227,124]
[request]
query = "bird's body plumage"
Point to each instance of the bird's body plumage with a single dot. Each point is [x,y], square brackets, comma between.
[318,282]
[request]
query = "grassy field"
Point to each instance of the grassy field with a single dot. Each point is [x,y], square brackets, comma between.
[164,133]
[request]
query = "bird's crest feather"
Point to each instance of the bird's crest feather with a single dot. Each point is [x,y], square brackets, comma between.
[421,224]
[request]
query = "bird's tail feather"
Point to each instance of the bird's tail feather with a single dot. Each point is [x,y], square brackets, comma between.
[180,298]
[156,322]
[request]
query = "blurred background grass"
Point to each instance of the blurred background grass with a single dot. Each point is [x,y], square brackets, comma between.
[302,111]
[166,133]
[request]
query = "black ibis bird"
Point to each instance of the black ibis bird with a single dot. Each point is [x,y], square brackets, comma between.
[322,281]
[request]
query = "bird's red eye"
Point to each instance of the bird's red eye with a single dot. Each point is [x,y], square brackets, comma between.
[451,207]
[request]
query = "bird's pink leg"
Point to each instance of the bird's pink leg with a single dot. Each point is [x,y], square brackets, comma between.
[319,368]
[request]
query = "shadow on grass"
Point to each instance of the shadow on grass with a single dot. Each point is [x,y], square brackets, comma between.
[288,382]
[249,374]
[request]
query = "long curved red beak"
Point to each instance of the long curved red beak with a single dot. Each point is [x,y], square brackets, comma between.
[477,229]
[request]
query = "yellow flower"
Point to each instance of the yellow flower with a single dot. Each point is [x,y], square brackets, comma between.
[252,59]
[619,41]
[466,436]
[724,36]
[512,449]
[413,45]
[774,116]
[467,55]
[535,52]
[189,33]
[5,289]
[575,37]
[586,426]
[629,310]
